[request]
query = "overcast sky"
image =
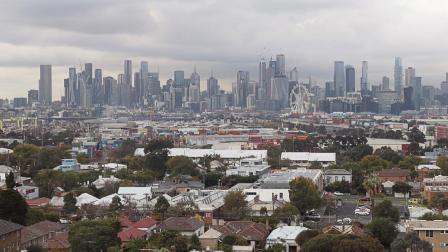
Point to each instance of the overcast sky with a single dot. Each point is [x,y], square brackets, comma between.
[223,35]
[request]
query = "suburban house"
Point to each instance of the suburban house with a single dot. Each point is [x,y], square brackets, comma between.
[255,206]
[286,236]
[101,182]
[281,179]
[335,175]
[437,184]
[305,159]
[184,225]
[249,167]
[394,175]
[434,232]
[9,236]
[40,233]
[210,239]
[427,171]
[254,233]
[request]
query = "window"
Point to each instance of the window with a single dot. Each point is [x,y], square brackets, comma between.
[444,232]
[343,178]
[281,195]
[336,178]
[429,233]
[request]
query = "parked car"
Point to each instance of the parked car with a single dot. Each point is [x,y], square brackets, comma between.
[361,212]
[339,221]
[338,194]
[347,220]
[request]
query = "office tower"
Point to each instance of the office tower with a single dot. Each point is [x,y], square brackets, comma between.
[154,84]
[262,81]
[194,89]
[64,99]
[136,91]
[385,100]
[33,96]
[98,89]
[408,103]
[416,84]
[212,87]
[294,75]
[409,74]
[279,91]
[144,88]
[241,87]
[270,74]
[72,87]
[428,95]
[398,75]
[20,102]
[127,73]
[364,82]
[350,82]
[179,79]
[339,78]
[86,86]
[280,66]
[385,83]
[329,89]
[111,92]
[45,85]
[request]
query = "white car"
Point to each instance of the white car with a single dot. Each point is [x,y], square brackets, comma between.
[338,194]
[339,221]
[347,220]
[361,212]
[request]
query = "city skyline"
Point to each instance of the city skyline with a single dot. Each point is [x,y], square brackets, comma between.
[302,30]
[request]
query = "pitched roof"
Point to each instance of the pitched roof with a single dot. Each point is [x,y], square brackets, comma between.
[40,229]
[247,230]
[181,224]
[58,241]
[8,227]
[38,201]
[146,222]
[132,232]
[394,172]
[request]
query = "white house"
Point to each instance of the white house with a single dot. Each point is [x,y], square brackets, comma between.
[28,192]
[334,175]
[101,182]
[285,235]
[305,159]
[85,199]
[266,195]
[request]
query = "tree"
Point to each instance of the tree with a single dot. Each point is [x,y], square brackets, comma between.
[115,205]
[10,181]
[315,165]
[263,211]
[286,213]
[94,235]
[439,201]
[134,245]
[306,235]
[69,203]
[235,205]
[415,149]
[35,215]
[304,194]
[341,243]
[83,158]
[181,165]
[195,244]
[13,206]
[35,248]
[432,216]
[386,210]
[184,208]
[410,242]
[401,187]
[388,154]
[372,184]
[382,229]
[161,206]
[373,163]
[416,135]
[339,186]
[278,247]
[442,162]
[360,151]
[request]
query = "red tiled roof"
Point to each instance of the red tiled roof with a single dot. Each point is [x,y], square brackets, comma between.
[125,222]
[146,222]
[181,224]
[394,172]
[247,230]
[40,229]
[38,201]
[132,232]
[58,241]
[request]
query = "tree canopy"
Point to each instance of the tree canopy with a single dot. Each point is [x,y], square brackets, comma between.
[341,243]
[235,205]
[94,235]
[382,229]
[13,206]
[304,194]
[385,209]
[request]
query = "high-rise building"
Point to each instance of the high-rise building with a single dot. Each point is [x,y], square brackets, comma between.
[98,89]
[127,74]
[416,84]
[350,82]
[241,88]
[111,91]
[339,78]
[329,89]
[179,79]
[45,85]
[408,103]
[212,87]
[262,81]
[194,88]
[385,84]
[72,100]
[409,74]
[398,75]
[294,75]
[33,96]
[280,67]
[144,88]
[364,81]
[270,74]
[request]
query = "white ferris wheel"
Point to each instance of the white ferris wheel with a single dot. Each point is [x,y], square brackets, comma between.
[299,99]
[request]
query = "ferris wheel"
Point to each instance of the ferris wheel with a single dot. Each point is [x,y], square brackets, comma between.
[299,99]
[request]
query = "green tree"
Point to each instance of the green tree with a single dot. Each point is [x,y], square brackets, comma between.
[416,135]
[235,205]
[306,235]
[115,205]
[286,213]
[358,152]
[382,229]
[385,209]
[304,194]
[157,156]
[134,245]
[94,235]
[373,163]
[372,184]
[161,206]
[339,186]
[35,248]
[13,206]
[184,208]
[402,187]
[263,211]
[83,158]
[10,181]
[388,154]
[341,243]
[181,165]
[432,216]
[442,162]
[410,242]
[70,203]
[439,201]
[35,215]
[195,244]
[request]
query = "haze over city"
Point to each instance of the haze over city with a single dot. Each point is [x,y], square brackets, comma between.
[223,36]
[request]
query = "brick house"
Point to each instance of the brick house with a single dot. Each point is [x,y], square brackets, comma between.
[9,236]
[394,175]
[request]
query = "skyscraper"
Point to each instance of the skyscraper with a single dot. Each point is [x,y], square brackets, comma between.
[364,82]
[398,75]
[194,89]
[262,81]
[143,89]
[241,88]
[339,78]
[98,89]
[294,75]
[72,87]
[329,89]
[212,87]
[350,82]
[385,83]
[33,96]
[409,74]
[45,85]
[280,67]
[127,73]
